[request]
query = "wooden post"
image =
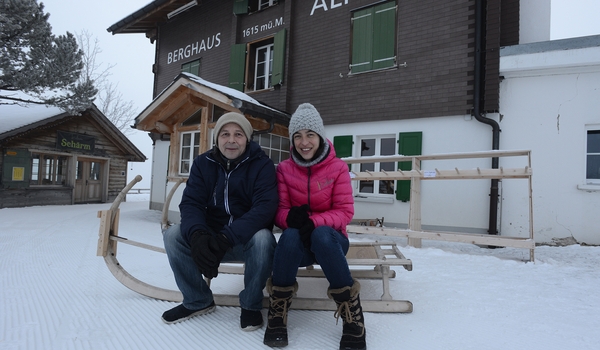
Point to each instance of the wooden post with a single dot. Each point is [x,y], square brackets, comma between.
[414,217]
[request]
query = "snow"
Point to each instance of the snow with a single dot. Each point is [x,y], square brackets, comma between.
[55,293]
[15,116]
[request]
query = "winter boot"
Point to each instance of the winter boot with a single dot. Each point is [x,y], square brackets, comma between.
[280,299]
[349,309]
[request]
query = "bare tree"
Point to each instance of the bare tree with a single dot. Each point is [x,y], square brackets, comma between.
[109,99]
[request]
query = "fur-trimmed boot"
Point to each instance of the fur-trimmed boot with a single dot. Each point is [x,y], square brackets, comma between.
[349,309]
[280,299]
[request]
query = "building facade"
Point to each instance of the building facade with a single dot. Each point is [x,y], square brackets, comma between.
[388,77]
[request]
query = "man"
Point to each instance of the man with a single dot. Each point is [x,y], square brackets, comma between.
[227,213]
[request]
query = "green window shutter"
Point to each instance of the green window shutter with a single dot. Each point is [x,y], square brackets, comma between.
[195,67]
[409,144]
[16,168]
[343,146]
[240,7]
[384,35]
[278,58]
[362,41]
[237,66]
[191,67]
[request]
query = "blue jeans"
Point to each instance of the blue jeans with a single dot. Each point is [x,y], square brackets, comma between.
[328,248]
[257,256]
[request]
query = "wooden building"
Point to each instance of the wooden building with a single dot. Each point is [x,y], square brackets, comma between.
[53,158]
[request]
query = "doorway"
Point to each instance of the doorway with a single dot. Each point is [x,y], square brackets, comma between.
[88,181]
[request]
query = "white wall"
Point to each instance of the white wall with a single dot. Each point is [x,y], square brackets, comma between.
[160,157]
[547,100]
[457,205]
[534,21]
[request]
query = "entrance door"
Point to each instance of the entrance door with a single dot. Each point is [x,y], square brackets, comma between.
[88,181]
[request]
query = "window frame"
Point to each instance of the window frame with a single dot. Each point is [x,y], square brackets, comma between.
[194,147]
[244,7]
[268,62]
[242,69]
[377,184]
[264,4]
[277,153]
[591,130]
[47,174]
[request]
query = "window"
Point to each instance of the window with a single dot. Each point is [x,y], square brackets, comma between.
[409,144]
[192,67]
[377,146]
[263,67]
[373,38]
[264,60]
[189,149]
[217,112]
[241,7]
[263,4]
[592,174]
[275,146]
[47,169]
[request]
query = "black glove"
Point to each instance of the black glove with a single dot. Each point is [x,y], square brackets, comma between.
[297,216]
[201,251]
[208,251]
[305,232]
[222,245]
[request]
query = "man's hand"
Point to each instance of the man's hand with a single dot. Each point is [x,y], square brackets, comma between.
[221,247]
[208,251]
[297,216]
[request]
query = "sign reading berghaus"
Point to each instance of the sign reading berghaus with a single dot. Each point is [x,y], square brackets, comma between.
[194,48]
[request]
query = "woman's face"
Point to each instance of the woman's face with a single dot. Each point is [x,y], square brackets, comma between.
[306,143]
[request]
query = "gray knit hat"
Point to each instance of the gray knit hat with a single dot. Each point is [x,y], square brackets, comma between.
[233,117]
[306,116]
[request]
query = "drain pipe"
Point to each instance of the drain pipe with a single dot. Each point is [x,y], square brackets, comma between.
[477,102]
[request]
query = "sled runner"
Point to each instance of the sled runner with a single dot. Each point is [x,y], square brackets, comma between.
[367,260]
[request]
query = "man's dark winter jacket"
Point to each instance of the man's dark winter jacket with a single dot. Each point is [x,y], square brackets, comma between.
[237,203]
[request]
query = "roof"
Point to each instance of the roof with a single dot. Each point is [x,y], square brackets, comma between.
[565,56]
[147,18]
[552,45]
[16,120]
[15,117]
[188,93]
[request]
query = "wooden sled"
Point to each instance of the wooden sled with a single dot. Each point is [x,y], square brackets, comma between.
[367,260]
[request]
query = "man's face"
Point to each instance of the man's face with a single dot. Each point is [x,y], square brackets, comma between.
[232,141]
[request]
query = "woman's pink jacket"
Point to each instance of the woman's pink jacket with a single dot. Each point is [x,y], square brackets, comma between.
[325,187]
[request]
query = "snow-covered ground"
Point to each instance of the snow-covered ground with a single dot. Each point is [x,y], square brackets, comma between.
[55,293]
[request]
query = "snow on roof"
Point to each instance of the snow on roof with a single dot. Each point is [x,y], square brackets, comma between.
[16,116]
[233,93]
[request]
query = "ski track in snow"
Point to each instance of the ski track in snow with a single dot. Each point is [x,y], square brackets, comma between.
[57,294]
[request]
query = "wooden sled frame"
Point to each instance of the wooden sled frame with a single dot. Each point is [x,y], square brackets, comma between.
[379,255]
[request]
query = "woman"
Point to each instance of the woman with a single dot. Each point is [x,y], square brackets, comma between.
[315,205]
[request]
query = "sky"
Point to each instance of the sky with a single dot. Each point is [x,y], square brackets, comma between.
[133,54]
[55,293]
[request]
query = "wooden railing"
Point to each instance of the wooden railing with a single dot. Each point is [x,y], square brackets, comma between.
[414,232]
